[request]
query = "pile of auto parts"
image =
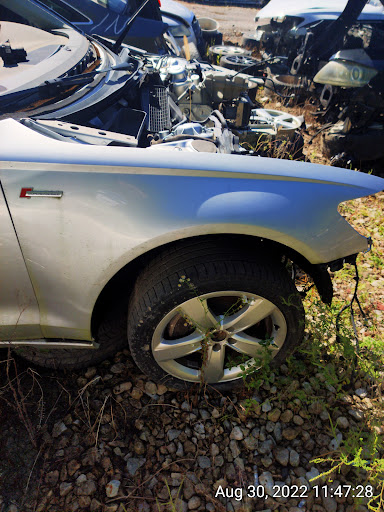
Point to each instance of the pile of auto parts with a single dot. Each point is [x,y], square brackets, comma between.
[216,52]
[352,100]
[350,37]
[171,101]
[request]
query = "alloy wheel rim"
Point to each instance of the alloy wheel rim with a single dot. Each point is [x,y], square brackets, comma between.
[203,338]
[225,50]
[241,59]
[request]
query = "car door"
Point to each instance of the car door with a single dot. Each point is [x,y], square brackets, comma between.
[19,310]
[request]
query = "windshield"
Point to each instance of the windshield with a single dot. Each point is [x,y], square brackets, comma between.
[30,12]
[118,6]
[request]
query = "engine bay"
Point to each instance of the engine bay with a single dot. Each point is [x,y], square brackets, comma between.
[172,104]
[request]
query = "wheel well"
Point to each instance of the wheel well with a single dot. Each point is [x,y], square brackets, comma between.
[121,285]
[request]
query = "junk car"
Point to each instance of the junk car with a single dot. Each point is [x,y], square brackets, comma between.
[352,102]
[108,19]
[131,212]
[283,27]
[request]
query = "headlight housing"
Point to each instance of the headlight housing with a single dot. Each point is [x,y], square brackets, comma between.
[345,74]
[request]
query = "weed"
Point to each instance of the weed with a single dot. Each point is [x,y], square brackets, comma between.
[336,362]
[18,401]
[360,451]
[172,503]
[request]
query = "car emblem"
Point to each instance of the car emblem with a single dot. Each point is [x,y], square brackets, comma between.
[28,192]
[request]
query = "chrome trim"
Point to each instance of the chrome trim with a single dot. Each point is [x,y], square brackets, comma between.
[45,343]
[45,193]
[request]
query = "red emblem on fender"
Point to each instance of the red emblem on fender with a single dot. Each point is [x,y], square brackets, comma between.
[24,192]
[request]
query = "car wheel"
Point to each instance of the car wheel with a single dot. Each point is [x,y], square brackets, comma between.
[199,314]
[217,51]
[111,337]
[238,62]
[267,121]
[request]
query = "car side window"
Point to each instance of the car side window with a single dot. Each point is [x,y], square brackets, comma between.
[117,6]
[68,12]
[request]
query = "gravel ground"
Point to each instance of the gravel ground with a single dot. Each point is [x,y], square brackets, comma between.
[119,442]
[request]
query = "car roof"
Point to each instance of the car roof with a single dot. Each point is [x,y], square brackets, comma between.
[314,10]
[176,9]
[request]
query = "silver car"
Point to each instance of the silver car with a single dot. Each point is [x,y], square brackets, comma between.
[126,215]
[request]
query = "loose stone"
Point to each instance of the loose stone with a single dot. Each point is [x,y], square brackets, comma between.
[204,462]
[112,488]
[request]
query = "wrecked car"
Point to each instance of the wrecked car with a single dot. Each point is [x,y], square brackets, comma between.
[296,39]
[283,27]
[352,102]
[156,19]
[131,213]
[339,45]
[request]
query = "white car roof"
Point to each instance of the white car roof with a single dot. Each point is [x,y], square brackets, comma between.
[315,10]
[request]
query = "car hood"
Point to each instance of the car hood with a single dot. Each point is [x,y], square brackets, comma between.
[314,10]
[49,55]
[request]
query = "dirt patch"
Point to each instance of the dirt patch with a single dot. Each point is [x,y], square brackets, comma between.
[234,21]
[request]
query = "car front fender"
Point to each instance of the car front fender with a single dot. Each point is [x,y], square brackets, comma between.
[120,203]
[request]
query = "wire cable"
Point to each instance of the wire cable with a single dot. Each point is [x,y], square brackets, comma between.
[355,298]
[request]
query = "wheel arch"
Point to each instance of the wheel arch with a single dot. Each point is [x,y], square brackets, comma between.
[115,291]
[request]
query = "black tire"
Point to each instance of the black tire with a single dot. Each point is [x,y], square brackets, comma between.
[213,268]
[250,43]
[238,62]
[286,85]
[111,336]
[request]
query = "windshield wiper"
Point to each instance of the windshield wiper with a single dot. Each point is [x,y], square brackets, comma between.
[7,102]
[85,78]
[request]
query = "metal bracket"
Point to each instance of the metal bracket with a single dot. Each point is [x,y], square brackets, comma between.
[370,243]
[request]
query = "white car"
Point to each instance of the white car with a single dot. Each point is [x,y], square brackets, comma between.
[282,25]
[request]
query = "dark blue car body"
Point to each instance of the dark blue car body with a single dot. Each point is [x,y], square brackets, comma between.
[107,18]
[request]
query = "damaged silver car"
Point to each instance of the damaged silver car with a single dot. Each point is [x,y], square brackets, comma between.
[133,212]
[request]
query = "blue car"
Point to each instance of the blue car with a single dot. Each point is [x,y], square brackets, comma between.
[108,18]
